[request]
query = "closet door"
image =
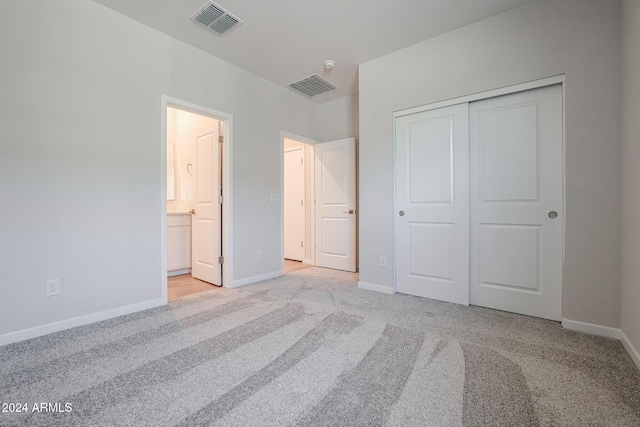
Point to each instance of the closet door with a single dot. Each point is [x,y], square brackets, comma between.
[516,202]
[432,204]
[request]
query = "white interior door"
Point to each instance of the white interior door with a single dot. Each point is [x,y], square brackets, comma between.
[516,202]
[294,209]
[432,201]
[205,226]
[335,192]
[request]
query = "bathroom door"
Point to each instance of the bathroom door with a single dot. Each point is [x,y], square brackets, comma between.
[206,263]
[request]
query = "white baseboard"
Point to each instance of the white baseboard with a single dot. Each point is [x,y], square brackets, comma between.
[376,288]
[178,272]
[633,352]
[37,331]
[307,261]
[589,328]
[254,279]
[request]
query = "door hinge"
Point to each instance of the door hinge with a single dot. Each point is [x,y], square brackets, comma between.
[220,199]
[302,244]
[220,260]
[220,139]
[301,202]
[301,161]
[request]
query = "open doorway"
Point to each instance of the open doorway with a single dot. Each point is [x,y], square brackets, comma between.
[298,207]
[197,203]
[319,195]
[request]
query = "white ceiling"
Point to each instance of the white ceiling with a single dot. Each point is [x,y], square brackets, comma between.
[287,40]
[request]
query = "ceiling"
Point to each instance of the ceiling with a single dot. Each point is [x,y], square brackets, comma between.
[287,40]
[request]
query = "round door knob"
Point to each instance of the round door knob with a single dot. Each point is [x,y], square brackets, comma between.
[553,214]
[401,213]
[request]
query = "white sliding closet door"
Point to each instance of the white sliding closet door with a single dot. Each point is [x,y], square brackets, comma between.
[432,204]
[479,203]
[516,202]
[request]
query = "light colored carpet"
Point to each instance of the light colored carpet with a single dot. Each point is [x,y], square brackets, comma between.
[310,349]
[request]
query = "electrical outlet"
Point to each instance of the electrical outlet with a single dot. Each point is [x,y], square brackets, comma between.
[53,287]
[383,261]
[259,254]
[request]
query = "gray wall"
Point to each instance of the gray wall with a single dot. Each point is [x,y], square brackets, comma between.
[80,147]
[337,119]
[630,319]
[579,38]
[80,166]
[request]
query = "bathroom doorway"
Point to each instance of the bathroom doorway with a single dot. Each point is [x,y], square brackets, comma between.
[197,205]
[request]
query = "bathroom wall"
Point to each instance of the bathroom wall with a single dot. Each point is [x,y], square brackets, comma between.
[185,128]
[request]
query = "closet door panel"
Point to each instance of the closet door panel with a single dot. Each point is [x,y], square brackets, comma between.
[516,205]
[432,203]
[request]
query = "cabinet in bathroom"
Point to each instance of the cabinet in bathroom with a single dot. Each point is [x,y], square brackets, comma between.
[178,242]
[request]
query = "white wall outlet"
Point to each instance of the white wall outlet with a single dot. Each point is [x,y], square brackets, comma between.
[383,261]
[275,198]
[53,287]
[259,254]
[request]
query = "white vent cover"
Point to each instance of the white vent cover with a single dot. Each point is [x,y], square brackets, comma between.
[216,18]
[313,85]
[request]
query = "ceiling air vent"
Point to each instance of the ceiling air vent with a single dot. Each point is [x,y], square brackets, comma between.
[313,85]
[216,19]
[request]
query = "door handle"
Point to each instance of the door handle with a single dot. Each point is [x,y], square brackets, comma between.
[192,211]
[553,214]
[401,213]
[350,211]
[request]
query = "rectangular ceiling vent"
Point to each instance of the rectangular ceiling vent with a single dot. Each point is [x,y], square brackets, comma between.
[313,85]
[216,19]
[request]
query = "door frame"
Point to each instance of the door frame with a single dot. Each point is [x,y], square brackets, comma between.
[227,186]
[507,90]
[309,198]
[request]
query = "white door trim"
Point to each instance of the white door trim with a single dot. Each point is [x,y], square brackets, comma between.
[310,143]
[227,187]
[534,84]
